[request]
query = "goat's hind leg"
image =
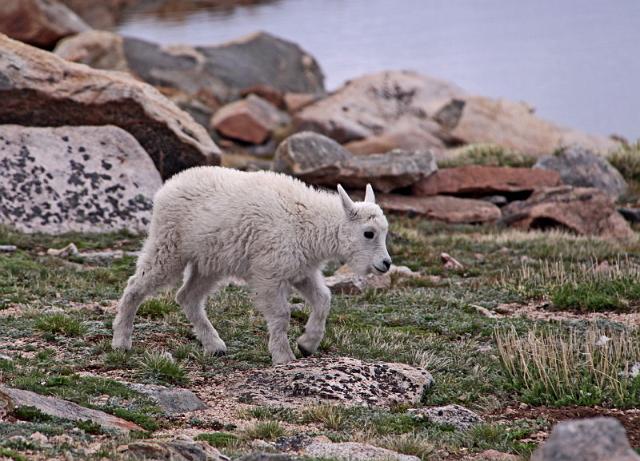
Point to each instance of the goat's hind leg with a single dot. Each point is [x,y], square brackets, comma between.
[192,298]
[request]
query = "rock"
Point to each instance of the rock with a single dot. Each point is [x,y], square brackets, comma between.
[8,248]
[450,263]
[454,415]
[512,125]
[173,401]
[40,89]
[223,72]
[584,211]
[478,181]
[69,250]
[104,14]
[630,214]
[106,256]
[266,457]
[59,408]
[180,449]
[494,455]
[497,200]
[398,138]
[375,104]
[252,120]
[340,380]
[582,168]
[319,160]
[295,101]
[354,451]
[266,92]
[96,48]
[441,208]
[83,179]
[591,439]
[38,22]
[346,282]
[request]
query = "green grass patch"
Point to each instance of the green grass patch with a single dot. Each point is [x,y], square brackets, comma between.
[487,155]
[60,324]
[264,430]
[161,368]
[219,439]
[157,308]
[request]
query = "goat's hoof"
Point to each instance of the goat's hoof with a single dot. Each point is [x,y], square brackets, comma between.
[303,351]
[219,353]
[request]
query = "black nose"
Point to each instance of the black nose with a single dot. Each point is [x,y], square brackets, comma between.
[387,263]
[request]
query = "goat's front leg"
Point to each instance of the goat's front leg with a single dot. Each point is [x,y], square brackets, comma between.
[272,303]
[315,291]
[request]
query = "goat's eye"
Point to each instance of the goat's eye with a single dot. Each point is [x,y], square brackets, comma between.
[369,234]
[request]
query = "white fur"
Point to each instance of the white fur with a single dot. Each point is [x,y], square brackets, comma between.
[273,231]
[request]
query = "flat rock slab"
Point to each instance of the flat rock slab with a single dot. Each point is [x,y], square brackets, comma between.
[319,160]
[580,167]
[38,88]
[444,208]
[479,181]
[173,401]
[59,408]
[582,210]
[83,179]
[343,380]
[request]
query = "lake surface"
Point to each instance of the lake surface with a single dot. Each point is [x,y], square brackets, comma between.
[576,61]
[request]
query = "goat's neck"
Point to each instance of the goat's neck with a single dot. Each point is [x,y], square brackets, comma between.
[323,231]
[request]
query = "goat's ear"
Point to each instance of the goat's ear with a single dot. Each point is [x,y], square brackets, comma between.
[368,195]
[347,203]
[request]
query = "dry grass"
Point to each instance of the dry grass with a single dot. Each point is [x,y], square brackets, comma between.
[582,366]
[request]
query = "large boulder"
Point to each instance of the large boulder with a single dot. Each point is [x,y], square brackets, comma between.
[454,415]
[582,168]
[479,181]
[339,380]
[181,448]
[85,179]
[53,406]
[101,15]
[512,125]
[376,104]
[223,72]
[444,208]
[40,89]
[584,211]
[39,22]
[353,451]
[319,160]
[592,439]
[251,120]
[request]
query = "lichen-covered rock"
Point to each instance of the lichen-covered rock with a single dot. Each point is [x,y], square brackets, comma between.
[342,380]
[173,401]
[354,451]
[379,103]
[179,449]
[582,210]
[455,415]
[84,179]
[582,168]
[38,88]
[52,406]
[319,160]
[512,125]
[592,439]
[38,22]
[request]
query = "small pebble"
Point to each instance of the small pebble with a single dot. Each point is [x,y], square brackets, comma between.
[8,248]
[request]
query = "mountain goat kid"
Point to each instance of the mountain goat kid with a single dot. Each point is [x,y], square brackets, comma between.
[271,230]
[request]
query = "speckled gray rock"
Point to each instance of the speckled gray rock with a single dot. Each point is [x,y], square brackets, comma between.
[354,451]
[592,439]
[342,380]
[174,401]
[455,415]
[85,179]
[580,167]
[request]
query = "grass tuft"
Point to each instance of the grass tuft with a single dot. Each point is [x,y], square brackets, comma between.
[60,324]
[266,430]
[162,368]
[487,155]
[219,439]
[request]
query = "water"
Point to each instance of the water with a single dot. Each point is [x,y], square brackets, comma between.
[576,61]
